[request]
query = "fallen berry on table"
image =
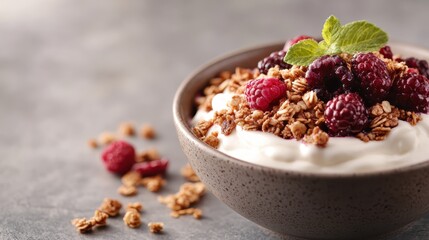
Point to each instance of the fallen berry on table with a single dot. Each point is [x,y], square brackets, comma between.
[118,157]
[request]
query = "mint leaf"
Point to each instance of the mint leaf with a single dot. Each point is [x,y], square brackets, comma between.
[358,36]
[330,29]
[361,36]
[303,52]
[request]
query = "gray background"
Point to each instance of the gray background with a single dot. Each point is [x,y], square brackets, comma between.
[70,69]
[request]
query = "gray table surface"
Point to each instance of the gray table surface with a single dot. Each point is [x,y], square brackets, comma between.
[70,69]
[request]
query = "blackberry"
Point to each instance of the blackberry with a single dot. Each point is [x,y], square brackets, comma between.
[421,65]
[329,76]
[373,77]
[411,92]
[346,115]
[386,52]
[275,58]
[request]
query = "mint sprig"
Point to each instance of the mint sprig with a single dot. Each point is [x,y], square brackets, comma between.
[358,36]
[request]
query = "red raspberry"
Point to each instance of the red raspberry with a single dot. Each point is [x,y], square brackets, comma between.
[295,40]
[346,115]
[275,59]
[263,92]
[151,168]
[374,78]
[329,76]
[119,157]
[411,92]
[386,52]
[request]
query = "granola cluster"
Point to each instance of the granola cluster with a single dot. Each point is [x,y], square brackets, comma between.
[299,115]
[189,193]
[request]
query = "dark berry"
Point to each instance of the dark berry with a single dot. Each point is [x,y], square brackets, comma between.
[118,157]
[275,59]
[421,65]
[295,40]
[346,115]
[151,168]
[263,92]
[329,76]
[373,76]
[411,92]
[386,52]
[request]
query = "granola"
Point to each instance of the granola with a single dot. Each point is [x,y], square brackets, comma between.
[132,218]
[189,174]
[126,129]
[127,190]
[153,184]
[155,227]
[147,131]
[111,207]
[188,194]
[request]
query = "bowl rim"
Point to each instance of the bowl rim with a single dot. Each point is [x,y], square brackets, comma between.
[181,124]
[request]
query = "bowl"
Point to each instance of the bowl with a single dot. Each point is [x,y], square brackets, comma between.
[304,205]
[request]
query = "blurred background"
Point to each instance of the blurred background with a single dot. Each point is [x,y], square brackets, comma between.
[70,69]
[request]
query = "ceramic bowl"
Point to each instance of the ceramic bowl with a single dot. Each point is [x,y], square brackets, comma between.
[305,205]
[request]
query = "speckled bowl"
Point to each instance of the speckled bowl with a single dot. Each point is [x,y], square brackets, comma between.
[315,206]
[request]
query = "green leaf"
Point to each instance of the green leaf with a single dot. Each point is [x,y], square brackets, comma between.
[330,29]
[360,36]
[303,53]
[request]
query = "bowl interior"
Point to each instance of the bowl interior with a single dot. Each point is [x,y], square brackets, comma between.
[183,106]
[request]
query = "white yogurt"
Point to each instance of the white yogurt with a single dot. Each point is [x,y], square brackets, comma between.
[405,145]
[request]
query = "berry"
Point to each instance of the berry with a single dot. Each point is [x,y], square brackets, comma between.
[118,157]
[329,76]
[151,168]
[421,65]
[411,92]
[373,76]
[295,40]
[275,58]
[346,115]
[386,52]
[263,92]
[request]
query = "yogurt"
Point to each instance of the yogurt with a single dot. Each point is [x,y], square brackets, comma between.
[405,145]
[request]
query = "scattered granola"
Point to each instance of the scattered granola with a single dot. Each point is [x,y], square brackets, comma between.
[136,206]
[195,212]
[127,190]
[100,218]
[132,178]
[83,225]
[147,131]
[189,174]
[126,129]
[111,207]
[155,227]
[188,194]
[153,184]
[92,143]
[107,138]
[132,218]
[148,155]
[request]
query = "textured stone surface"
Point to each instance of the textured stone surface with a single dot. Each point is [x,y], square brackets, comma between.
[71,69]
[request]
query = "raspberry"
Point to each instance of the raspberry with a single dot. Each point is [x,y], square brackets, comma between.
[374,78]
[118,157]
[329,76]
[275,58]
[295,40]
[152,168]
[262,92]
[411,92]
[386,52]
[346,115]
[421,65]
